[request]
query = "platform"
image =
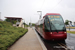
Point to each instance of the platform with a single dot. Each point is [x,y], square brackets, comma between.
[28,42]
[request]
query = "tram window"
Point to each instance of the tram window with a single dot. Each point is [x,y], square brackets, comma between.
[47,26]
[41,24]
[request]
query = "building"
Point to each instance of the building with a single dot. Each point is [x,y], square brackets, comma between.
[17,21]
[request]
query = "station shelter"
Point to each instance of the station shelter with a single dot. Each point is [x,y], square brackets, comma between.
[17,21]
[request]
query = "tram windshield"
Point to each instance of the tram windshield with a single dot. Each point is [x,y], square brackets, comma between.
[56,22]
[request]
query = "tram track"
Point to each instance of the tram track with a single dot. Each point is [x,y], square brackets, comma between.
[64,46]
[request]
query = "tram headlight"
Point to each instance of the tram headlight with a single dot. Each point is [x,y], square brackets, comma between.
[65,32]
[51,33]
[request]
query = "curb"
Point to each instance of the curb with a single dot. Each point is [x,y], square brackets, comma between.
[43,46]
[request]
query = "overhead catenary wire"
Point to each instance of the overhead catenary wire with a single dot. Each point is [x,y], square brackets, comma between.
[56,4]
[53,7]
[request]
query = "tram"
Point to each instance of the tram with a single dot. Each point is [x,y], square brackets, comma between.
[52,27]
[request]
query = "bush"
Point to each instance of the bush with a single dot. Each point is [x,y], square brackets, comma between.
[9,34]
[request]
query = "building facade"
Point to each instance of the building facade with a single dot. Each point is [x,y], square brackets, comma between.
[17,21]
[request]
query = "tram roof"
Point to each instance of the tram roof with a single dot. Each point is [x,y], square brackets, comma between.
[51,14]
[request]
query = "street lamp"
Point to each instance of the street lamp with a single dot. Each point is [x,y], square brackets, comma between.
[40,14]
[30,23]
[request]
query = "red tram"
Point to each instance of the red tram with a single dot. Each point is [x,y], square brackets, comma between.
[52,27]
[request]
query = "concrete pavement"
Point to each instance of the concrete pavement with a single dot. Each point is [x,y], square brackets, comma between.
[28,42]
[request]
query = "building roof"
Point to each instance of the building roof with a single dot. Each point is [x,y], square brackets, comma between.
[14,17]
[51,14]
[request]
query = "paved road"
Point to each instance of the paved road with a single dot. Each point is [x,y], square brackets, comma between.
[70,29]
[28,42]
[68,44]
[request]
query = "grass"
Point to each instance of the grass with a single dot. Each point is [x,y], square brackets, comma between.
[73,32]
[71,27]
[26,26]
[9,34]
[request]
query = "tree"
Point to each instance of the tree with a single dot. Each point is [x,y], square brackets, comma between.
[26,25]
[66,22]
[33,24]
[7,20]
[70,23]
[12,21]
[74,23]
[29,23]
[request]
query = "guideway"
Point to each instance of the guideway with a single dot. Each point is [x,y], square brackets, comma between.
[28,42]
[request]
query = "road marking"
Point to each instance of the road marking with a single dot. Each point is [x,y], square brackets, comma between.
[62,45]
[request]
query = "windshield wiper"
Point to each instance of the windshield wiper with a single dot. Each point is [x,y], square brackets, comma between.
[54,27]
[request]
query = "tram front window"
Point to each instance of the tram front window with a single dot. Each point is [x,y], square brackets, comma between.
[47,26]
[56,22]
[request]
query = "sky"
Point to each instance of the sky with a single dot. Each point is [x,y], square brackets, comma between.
[27,9]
